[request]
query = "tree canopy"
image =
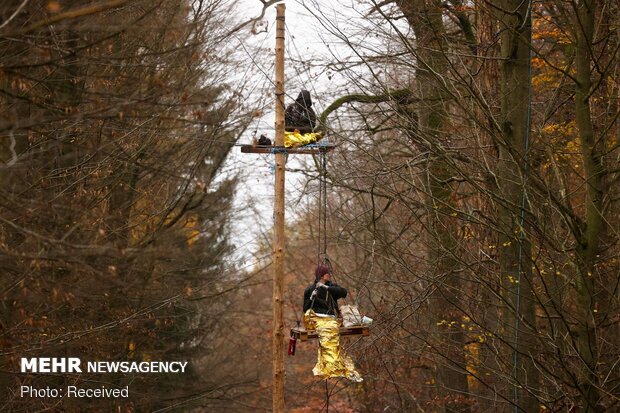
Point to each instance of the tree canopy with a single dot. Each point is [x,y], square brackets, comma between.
[472,209]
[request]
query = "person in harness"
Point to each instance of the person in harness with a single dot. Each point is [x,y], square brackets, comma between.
[320,314]
[322,295]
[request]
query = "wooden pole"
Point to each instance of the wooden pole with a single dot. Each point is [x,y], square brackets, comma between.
[278,224]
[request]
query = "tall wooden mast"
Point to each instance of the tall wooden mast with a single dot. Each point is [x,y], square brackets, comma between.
[278,224]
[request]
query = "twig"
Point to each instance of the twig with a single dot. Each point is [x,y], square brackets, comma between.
[253,21]
[15,13]
[73,14]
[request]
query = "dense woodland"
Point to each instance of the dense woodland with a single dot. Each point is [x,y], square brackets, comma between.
[472,211]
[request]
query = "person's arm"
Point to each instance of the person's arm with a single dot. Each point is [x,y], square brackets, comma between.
[337,291]
[312,118]
[289,115]
[307,300]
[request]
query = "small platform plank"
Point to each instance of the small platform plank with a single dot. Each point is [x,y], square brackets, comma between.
[304,150]
[302,334]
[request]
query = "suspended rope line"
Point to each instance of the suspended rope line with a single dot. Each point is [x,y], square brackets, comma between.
[322,233]
[291,40]
[326,397]
[253,57]
[318,255]
[258,50]
[324,206]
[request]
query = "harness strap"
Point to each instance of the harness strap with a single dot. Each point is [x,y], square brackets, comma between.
[331,303]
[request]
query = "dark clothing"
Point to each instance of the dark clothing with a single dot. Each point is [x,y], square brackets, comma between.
[264,141]
[325,301]
[300,115]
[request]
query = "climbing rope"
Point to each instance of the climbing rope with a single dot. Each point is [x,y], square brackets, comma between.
[322,257]
[326,397]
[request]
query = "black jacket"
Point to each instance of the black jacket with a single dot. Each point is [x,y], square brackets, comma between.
[325,301]
[300,115]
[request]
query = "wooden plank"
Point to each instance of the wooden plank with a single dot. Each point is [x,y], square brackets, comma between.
[303,150]
[304,335]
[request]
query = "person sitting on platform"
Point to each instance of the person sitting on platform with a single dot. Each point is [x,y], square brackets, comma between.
[322,295]
[300,124]
[320,312]
[299,115]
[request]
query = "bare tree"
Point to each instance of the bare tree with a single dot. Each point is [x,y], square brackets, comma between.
[116,118]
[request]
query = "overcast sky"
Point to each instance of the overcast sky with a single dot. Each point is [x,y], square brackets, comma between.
[303,42]
[316,33]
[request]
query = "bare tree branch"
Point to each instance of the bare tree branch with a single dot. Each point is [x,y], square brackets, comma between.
[73,14]
[15,13]
[401,96]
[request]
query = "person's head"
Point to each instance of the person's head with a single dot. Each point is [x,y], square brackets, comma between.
[304,99]
[322,273]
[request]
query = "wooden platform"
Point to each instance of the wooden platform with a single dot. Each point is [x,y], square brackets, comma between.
[311,149]
[302,334]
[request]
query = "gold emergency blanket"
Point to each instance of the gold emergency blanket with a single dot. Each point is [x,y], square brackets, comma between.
[332,360]
[295,139]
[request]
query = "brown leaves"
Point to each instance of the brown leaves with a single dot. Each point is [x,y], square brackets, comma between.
[53,7]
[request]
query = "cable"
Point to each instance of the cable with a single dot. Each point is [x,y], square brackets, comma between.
[322,257]
[306,68]
[324,206]
[326,397]
[318,255]
[309,75]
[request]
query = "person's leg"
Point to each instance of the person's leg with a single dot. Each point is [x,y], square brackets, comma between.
[332,360]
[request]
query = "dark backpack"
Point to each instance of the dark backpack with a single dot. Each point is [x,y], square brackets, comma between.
[264,141]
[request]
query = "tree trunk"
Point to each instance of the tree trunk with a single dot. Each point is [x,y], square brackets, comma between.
[426,20]
[487,53]
[518,315]
[589,245]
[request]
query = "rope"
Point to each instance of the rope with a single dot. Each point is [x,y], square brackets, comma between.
[326,397]
[324,206]
[318,255]
[291,40]
[322,257]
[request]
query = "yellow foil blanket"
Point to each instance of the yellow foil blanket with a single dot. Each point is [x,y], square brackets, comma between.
[332,360]
[295,139]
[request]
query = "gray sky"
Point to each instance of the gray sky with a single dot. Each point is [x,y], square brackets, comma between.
[256,171]
[317,32]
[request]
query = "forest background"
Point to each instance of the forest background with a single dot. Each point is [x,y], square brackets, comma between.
[473,203]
